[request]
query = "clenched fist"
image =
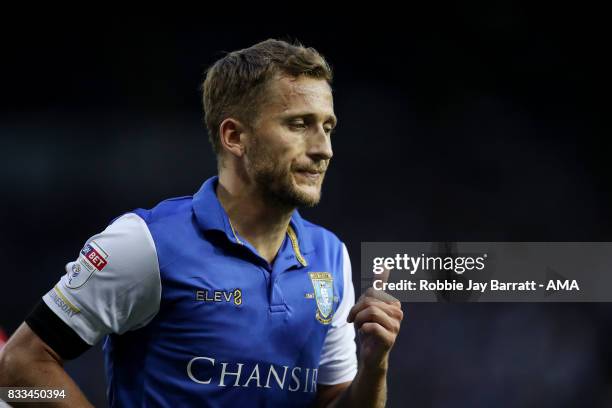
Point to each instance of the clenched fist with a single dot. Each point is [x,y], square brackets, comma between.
[377,316]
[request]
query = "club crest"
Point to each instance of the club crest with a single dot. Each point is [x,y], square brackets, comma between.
[323,284]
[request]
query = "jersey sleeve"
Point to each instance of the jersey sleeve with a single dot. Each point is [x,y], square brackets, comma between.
[338,362]
[114,284]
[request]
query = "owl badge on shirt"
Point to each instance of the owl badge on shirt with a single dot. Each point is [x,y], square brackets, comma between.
[323,284]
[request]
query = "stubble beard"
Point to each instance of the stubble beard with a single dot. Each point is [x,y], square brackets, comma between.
[276,183]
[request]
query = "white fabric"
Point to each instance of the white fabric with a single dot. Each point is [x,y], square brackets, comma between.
[338,358]
[123,295]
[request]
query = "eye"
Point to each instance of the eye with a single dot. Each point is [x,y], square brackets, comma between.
[297,124]
[329,128]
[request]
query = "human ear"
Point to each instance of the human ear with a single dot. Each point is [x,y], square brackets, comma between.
[231,132]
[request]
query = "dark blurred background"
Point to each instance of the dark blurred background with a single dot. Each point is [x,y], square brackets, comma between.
[484,123]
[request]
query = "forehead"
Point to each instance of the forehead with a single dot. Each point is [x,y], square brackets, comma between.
[286,95]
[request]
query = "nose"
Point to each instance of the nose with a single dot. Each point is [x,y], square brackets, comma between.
[320,147]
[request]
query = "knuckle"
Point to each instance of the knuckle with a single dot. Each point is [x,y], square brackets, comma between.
[396,327]
[369,302]
[368,314]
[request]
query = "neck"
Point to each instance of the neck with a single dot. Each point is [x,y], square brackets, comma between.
[263,225]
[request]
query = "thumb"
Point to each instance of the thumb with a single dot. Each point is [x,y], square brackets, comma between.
[382,294]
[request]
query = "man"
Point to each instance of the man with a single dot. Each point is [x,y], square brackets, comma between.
[229,297]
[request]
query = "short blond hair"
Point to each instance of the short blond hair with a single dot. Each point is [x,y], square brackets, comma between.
[236,84]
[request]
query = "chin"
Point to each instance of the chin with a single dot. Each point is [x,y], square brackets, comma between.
[293,192]
[308,196]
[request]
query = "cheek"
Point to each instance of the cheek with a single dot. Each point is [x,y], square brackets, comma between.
[289,152]
[282,146]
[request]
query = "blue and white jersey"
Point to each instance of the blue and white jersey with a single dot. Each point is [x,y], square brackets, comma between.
[191,315]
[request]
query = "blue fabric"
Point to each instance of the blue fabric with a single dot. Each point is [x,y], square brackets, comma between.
[232,330]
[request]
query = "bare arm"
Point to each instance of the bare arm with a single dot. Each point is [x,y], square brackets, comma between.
[366,390]
[27,361]
[363,391]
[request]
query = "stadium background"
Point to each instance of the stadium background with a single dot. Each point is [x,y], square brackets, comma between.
[479,123]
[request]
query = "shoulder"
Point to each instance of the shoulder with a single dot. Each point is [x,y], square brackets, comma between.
[327,251]
[166,210]
[321,238]
[174,228]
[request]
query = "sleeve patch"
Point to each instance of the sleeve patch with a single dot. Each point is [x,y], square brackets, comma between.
[92,258]
[64,304]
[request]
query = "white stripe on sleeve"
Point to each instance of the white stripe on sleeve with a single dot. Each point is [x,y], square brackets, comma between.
[113,286]
[338,358]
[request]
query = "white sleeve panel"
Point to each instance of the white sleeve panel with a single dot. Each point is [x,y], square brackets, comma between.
[114,285]
[339,355]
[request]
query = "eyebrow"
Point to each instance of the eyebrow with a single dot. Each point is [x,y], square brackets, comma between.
[331,118]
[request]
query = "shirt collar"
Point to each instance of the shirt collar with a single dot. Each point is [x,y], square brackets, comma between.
[211,215]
